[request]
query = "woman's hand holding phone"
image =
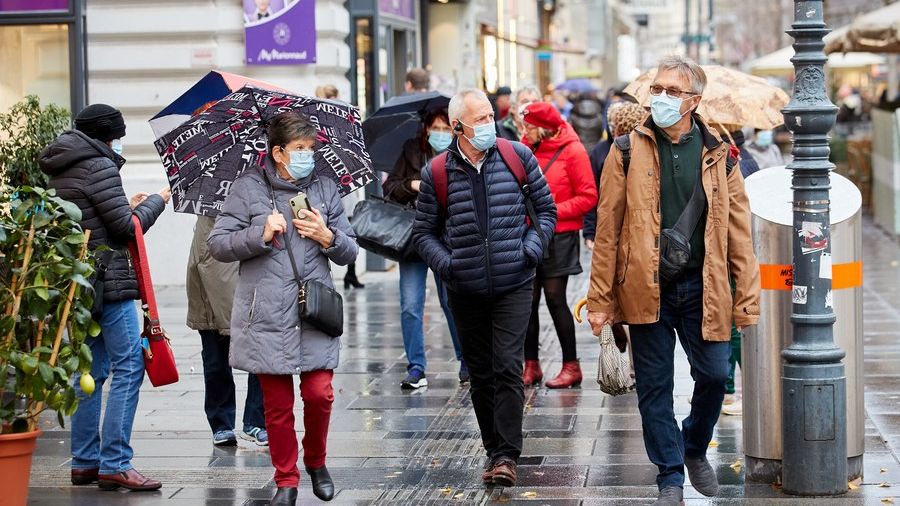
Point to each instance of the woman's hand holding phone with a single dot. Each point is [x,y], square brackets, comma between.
[312,226]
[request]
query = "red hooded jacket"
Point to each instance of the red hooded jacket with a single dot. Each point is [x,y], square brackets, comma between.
[570,178]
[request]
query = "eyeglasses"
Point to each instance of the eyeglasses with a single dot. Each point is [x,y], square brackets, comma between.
[657,90]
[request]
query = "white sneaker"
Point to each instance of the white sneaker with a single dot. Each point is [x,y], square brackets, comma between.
[736,408]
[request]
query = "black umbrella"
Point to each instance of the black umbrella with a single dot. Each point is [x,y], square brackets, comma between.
[206,153]
[396,122]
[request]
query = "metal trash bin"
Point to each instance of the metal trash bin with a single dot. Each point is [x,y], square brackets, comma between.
[771,199]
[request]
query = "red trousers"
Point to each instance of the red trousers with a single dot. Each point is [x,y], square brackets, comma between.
[278,400]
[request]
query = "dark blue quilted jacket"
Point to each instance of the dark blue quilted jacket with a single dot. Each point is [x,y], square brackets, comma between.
[471,259]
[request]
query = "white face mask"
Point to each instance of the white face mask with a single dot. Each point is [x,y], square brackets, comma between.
[116,146]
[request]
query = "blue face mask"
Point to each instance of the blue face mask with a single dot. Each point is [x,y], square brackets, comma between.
[485,136]
[666,111]
[439,141]
[764,139]
[302,164]
[117,146]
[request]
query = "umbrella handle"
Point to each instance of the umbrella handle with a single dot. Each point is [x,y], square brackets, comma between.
[577,309]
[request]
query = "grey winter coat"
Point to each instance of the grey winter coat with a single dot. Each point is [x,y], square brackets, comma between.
[267,336]
[210,283]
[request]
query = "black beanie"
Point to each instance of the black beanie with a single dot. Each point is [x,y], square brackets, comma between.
[101,122]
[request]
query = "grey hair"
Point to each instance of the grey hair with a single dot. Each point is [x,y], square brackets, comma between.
[458,102]
[527,89]
[687,68]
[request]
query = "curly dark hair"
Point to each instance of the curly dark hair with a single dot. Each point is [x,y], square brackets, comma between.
[430,117]
[288,127]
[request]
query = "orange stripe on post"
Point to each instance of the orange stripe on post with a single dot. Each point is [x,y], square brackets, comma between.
[780,277]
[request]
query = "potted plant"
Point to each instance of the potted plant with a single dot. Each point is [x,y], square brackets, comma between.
[45,318]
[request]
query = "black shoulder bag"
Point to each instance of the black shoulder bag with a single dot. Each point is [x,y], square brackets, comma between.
[675,242]
[319,304]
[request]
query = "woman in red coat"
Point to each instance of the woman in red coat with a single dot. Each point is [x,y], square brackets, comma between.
[567,170]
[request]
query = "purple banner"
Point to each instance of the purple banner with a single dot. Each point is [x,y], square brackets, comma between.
[400,8]
[33,5]
[280,32]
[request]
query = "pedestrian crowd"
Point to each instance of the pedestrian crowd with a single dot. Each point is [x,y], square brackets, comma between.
[503,192]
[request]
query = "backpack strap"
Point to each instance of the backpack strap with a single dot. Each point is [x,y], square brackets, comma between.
[512,160]
[623,142]
[439,178]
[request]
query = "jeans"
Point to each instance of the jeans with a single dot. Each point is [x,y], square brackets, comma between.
[219,402]
[116,352]
[493,342]
[653,346]
[412,311]
[318,396]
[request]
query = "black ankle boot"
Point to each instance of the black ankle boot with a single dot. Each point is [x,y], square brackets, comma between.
[350,278]
[323,487]
[286,496]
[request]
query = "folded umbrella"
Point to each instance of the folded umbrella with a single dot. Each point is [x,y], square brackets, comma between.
[206,153]
[396,122]
[731,97]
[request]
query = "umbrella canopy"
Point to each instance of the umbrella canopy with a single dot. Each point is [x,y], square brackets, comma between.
[214,86]
[395,123]
[205,154]
[580,85]
[874,32]
[730,98]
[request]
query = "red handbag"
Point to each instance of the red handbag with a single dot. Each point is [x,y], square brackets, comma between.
[159,360]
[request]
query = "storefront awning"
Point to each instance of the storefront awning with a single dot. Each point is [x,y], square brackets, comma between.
[781,61]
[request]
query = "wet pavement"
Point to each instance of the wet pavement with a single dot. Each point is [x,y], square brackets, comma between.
[389,446]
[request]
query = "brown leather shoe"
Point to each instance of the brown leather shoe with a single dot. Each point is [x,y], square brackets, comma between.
[532,375]
[504,472]
[84,476]
[569,376]
[130,479]
[487,477]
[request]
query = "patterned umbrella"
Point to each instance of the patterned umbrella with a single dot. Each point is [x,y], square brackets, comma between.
[206,153]
[730,98]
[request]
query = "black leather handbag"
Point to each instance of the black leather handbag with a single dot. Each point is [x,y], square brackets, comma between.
[385,228]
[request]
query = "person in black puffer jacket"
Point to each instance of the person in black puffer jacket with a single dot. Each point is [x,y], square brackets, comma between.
[485,248]
[587,119]
[83,165]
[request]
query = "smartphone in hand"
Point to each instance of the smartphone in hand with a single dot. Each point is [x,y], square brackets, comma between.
[299,203]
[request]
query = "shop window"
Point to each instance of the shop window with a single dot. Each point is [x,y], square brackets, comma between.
[35,62]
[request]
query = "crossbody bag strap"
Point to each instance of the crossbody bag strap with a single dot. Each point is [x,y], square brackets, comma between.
[138,252]
[287,240]
[555,156]
[690,216]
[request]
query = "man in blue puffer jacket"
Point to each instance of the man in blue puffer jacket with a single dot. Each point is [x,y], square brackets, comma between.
[484,247]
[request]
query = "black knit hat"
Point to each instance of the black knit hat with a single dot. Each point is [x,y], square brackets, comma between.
[101,122]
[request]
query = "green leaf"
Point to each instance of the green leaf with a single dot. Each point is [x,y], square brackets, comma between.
[71,210]
[75,238]
[94,329]
[46,373]
[28,364]
[84,353]
[42,350]
[60,419]
[71,365]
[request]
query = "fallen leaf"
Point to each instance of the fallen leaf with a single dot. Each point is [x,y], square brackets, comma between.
[538,473]
[713,444]
[737,466]
[888,500]
[883,469]
[884,485]
[446,490]
[457,496]
[854,485]
[529,494]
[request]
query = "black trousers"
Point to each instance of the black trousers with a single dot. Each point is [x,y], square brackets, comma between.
[492,334]
[220,401]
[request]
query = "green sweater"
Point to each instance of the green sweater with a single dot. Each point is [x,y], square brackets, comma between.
[679,168]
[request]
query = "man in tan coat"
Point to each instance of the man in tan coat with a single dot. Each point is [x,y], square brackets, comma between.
[639,277]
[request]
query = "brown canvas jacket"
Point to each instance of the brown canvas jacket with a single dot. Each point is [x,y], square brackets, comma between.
[625,266]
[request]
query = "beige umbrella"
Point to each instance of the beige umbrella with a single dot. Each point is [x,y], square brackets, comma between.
[874,32]
[731,97]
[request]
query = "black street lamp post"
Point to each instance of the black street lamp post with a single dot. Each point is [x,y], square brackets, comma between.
[814,421]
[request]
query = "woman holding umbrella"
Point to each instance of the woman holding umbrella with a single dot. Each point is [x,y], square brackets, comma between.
[402,186]
[267,336]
